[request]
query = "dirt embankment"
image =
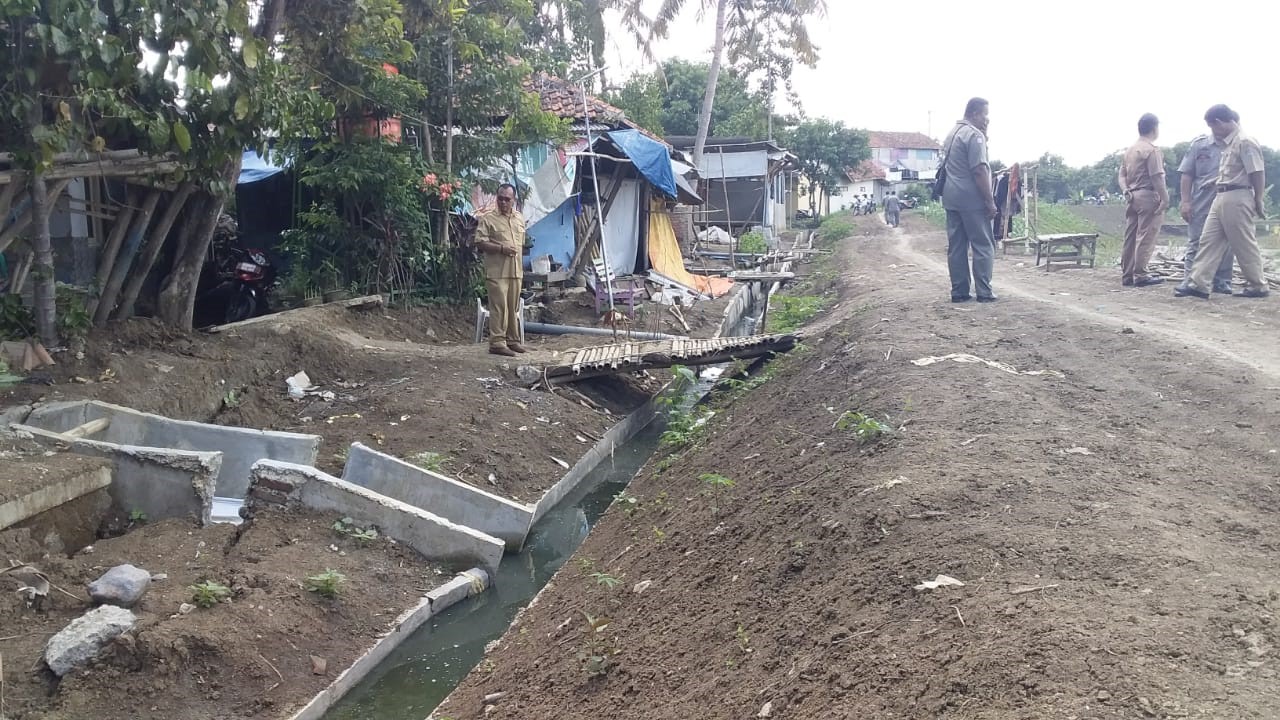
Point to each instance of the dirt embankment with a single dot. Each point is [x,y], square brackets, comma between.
[1112,519]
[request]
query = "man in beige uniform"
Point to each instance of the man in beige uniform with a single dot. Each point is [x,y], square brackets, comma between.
[500,240]
[1142,182]
[1236,207]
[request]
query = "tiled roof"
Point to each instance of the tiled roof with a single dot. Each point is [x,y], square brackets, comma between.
[902,140]
[866,170]
[564,100]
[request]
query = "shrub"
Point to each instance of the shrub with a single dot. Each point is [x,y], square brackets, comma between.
[326,584]
[753,243]
[209,593]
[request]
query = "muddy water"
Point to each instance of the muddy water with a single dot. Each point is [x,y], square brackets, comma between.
[425,668]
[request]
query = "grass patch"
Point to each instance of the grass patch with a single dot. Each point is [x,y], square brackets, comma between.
[788,313]
[836,226]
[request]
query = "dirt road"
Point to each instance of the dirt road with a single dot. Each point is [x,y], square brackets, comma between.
[1113,520]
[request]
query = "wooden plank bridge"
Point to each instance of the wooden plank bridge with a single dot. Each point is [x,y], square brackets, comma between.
[652,354]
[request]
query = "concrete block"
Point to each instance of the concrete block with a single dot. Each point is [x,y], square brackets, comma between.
[464,585]
[439,495]
[241,447]
[601,451]
[82,640]
[161,483]
[433,536]
[122,585]
[15,414]
[95,476]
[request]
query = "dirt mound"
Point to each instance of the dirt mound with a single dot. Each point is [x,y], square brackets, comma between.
[248,656]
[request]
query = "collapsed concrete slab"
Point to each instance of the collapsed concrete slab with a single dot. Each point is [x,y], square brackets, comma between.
[439,495]
[241,447]
[160,482]
[287,484]
[91,475]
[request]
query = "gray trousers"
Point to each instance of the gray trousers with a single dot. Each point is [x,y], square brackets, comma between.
[970,230]
[891,217]
[1221,278]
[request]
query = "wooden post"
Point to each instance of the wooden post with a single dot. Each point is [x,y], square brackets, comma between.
[111,248]
[45,292]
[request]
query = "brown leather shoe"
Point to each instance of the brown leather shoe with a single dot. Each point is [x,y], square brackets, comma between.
[518,347]
[501,350]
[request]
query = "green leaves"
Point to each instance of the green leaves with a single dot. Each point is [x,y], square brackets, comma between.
[250,52]
[242,107]
[182,137]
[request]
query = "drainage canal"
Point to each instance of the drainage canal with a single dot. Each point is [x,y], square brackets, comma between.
[422,671]
[428,666]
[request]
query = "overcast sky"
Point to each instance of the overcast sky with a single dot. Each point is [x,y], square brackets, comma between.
[1065,77]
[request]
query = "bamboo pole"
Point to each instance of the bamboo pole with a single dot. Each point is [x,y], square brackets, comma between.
[151,252]
[111,291]
[112,247]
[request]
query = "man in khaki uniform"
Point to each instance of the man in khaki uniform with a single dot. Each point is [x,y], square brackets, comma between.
[1236,206]
[500,240]
[1142,182]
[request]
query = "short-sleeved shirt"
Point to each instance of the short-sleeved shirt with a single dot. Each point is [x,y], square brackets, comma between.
[1241,156]
[507,231]
[1143,166]
[966,149]
[1201,164]
[891,202]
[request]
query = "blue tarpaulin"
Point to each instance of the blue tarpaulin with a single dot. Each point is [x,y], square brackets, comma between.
[652,159]
[254,167]
[553,234]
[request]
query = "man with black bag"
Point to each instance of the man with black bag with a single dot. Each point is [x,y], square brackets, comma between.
[964,185]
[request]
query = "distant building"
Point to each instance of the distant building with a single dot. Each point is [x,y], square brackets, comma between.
[898,159]
[755,179]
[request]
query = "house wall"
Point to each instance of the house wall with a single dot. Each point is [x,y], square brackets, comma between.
[734,164]
[919,159]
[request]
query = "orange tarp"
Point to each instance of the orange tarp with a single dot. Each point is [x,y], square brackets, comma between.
[664,255]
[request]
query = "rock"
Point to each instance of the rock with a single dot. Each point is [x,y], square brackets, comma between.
[158,577]
[641,586]
[529,375]
[319,665]
[122,585]
[1103,696]
[185,608]
[82,640]
[766,710]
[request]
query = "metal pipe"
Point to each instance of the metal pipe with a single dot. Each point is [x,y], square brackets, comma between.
[552,329]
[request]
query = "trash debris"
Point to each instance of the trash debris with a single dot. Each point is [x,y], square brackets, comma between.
[641,586]
[967,358]
[319,666]
[560,462]
[1077,451]
[884,485]
[766,710]
[940,581]
[300,386]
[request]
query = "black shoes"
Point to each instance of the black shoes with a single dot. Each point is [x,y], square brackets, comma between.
[961,298]
[1188,291]
[1148,281]
[1254,293]
[1223,290]
[987,298]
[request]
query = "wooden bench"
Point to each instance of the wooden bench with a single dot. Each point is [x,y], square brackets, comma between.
[1066,247]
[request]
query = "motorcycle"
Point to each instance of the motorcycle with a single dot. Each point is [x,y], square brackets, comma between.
[251,281]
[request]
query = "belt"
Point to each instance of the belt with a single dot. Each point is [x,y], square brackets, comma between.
[1229,188]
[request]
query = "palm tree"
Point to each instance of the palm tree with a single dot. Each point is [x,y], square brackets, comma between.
[743,27]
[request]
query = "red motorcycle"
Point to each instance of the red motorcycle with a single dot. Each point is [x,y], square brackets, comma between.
[251,279]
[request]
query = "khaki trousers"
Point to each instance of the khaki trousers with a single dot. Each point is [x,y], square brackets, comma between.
[504,310]
[1230,225]
[1142,224]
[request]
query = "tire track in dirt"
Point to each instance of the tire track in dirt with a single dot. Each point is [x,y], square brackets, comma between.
[1164,316]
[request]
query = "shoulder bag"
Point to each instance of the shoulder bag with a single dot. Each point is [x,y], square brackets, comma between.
[940,180]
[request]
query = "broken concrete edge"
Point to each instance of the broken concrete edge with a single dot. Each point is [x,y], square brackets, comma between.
[15,414]
[462,586]
[617,435]
[161,482]
[286,484]
[51,496]
[739,304]
[462,503]
[242,446]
